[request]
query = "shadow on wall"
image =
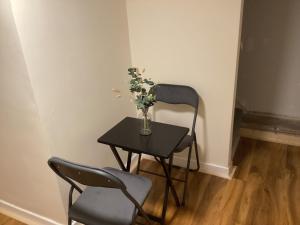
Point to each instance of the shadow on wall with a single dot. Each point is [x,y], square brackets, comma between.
[23,141]
[269,69]
[182,115]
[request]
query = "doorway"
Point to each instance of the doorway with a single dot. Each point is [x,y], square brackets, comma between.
[268,88]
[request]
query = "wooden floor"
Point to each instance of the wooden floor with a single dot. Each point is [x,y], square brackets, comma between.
[264,191]
[4,220]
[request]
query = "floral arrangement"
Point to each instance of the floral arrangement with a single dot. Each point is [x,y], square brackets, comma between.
[142,88]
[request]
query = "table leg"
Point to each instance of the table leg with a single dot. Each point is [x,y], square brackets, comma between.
[118,158]
[169,185]
[170,174]
[139,164]
[129,156]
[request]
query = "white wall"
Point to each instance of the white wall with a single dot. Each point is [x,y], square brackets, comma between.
[25,177]
[61,58]
[74,53]
[269,79]
[194,43]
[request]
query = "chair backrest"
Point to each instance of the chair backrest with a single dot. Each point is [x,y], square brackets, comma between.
[178,94]
[84,175]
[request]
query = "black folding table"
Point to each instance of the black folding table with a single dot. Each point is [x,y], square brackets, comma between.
[160,144]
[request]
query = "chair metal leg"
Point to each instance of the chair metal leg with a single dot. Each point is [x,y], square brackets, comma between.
[196,151]
[186,175]
[170,175]
[138,207]
[118,158]
[139,164]
[146,217]
[165,204]
[171,165]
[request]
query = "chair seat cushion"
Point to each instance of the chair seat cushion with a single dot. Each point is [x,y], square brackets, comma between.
[108,206]
[186,142]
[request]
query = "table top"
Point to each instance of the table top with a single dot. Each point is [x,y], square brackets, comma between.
[161,143]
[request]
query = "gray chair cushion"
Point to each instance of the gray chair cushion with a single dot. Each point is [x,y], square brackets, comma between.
[186,142]
[107,206]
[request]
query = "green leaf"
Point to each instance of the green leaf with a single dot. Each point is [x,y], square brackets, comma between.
[138,85]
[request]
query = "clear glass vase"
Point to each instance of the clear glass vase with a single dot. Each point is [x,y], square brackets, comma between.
[146,120]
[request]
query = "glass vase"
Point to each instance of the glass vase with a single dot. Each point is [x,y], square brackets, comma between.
[145,118]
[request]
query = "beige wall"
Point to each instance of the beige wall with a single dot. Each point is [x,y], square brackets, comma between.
[194,43]
[269,79]
[57,93]
[61,58]
[76,53]
[25,178]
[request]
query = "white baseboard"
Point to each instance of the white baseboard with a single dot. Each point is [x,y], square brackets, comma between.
[134,162]
[208,168]
[24,215]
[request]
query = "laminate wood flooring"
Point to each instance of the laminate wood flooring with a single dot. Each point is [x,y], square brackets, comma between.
[264,191]
[5,220]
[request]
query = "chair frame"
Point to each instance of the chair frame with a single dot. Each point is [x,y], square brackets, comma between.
[166,98]
[90,176]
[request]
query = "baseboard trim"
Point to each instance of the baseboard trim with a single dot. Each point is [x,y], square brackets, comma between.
[24,215]
[281,138]
[271,123]
[134,162]
[208,168]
